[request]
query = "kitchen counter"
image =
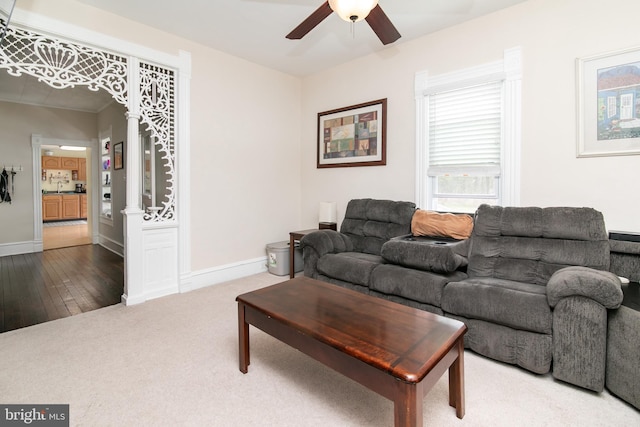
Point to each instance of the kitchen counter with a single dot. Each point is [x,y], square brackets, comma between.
[53,193]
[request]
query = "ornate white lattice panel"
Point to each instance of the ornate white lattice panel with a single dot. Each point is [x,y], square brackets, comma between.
[61,64]
[157,112]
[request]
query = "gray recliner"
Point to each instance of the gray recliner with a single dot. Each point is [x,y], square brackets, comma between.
[538,290]
[347,258]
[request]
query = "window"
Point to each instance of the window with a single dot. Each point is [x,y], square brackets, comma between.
[468,137]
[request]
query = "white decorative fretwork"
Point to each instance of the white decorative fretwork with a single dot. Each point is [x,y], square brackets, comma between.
[61,65]
[157,111]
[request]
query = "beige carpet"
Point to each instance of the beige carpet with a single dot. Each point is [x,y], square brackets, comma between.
[173,361]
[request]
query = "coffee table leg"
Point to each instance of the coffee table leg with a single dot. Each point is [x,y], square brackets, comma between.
[407,407]
[456,381]
[243,340]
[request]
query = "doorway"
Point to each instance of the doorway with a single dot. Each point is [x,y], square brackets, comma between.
[64,191]
[65,208]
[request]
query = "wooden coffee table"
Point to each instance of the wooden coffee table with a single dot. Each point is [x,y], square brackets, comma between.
[397,351]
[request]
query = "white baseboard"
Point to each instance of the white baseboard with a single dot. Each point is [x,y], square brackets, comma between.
[224,273]
[110,244]
[17,248]
[204,278]
[157,293]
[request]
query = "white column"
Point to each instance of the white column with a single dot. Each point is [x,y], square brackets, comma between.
[132,163]
[132,215]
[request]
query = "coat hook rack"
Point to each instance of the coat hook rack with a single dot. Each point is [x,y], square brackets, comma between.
[13,168]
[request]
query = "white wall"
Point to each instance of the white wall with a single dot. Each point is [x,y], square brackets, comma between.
[245,155]
[552,35]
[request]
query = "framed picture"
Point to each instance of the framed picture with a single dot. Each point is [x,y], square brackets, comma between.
[353,136]
[608,90]
[118,159]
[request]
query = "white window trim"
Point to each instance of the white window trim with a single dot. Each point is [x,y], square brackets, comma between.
[508,69]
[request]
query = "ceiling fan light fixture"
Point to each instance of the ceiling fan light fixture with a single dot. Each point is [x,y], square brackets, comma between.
[352,10]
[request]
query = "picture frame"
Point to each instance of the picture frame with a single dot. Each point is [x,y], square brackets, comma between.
[118,156]
[608,101]
[353,136]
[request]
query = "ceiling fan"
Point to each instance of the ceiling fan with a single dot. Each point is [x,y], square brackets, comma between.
[351,11]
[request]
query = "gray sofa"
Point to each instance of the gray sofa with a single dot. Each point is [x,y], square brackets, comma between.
[531,284]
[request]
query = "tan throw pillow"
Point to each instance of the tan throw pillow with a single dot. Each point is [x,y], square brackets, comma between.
[436,224]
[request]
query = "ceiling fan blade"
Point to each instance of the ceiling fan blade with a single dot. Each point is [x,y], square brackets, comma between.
[382,26]
[310,23]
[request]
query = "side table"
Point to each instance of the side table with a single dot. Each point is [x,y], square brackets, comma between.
[295,236]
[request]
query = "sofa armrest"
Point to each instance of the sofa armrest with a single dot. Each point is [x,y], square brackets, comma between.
[601,286]
[319,243]
[580,297]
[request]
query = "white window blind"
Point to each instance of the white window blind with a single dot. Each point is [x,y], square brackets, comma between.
[468,129]
[465,129]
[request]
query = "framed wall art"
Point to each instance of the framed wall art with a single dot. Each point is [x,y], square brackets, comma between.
[608,91]
[118,157]
[353,136]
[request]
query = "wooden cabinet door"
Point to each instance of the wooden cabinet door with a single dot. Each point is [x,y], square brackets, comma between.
[82,169]
[69,163]
[51,208]
[70,207]
[83,206]
[50,162]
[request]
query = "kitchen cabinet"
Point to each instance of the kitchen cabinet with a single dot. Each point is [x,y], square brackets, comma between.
[56,207]
[51,207]
[70,206]
[82,169]
[50,162]
[83,206]
[69,163]
[66,163]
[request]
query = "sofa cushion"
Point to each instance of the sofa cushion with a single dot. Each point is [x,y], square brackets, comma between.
[530,244]
[425,254]
[531,350]
[369,223]
[353,267]
[439,224]
[421,286]
[514,304]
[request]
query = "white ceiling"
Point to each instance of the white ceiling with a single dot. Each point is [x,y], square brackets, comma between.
[255,30]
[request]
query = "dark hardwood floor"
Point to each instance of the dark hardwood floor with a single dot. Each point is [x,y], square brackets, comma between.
[56,283]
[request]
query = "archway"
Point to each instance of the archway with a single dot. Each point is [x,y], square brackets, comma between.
[148,89]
